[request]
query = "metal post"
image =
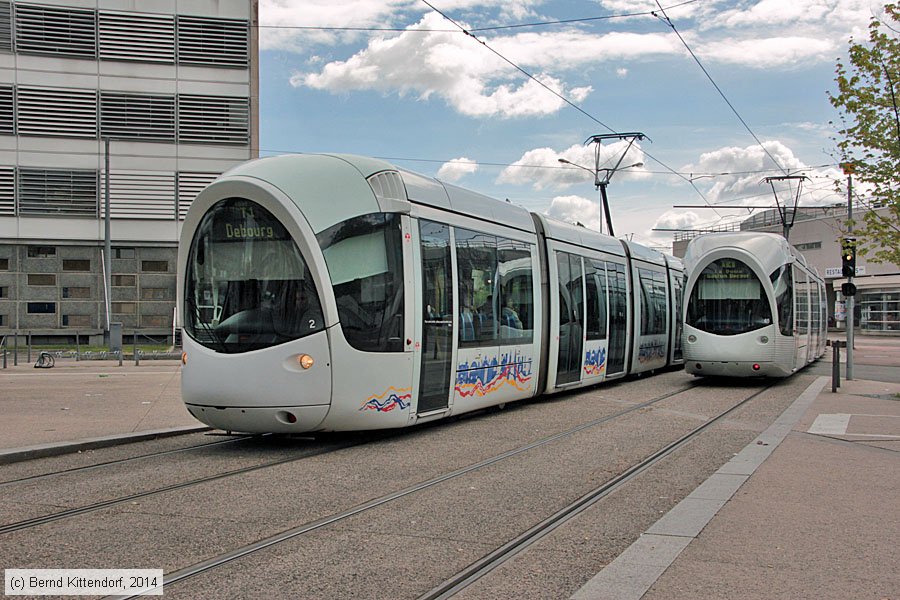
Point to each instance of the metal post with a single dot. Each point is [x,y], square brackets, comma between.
[77,347]
[137,359]
[107,241]
[850,301]
[5,339]
[28,339]
[16,349]
[609,227]
[835,366]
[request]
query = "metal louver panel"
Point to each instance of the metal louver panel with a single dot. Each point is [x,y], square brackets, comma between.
[5,27]
[137,37]
[50,192]
[7,191]
[213,120]
[57,112]
[140,195]
[7,110]
[137,116]
[207,41]
[388,185]
[189,185]
[55,30]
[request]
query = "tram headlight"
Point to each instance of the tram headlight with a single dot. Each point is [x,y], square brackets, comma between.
[305,360]
[184,358]
[692,338]
[763,339]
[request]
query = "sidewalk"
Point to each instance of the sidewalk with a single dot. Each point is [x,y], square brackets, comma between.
[807,510]
[75,401]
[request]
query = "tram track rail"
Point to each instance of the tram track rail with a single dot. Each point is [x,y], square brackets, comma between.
[120,461]
[490,562]
[294,532]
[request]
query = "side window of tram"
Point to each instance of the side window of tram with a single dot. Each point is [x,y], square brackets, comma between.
[783,283]
[653,302]
[516,291]
[365,262]
[595,282]
[476,255]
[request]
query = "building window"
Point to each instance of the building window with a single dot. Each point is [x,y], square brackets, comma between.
[76,264]
[808,246]
[57,192]
[41,308]
[154,321]
[41,279]
[124,280]
[880,310]
[154,294]
[155,266]
[41,251]
[5,27]
[2,320]
[7,191]
[56,112]
[189,185]
[76,320]
[4,291]
[4,264]
[124,308]
[140,37]
[82,293]
[141,195]
[7,109]
[213,120]
[55,30]
[137,116]
[123,252]
[218,42]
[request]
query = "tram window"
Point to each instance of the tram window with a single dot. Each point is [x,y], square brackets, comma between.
[516,291]
[595,282]
[653,302]
[247,286]
[476,255]
[783,283]
[728,299]
[365,262]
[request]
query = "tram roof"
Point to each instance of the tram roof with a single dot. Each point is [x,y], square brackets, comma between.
[581,236]
[331,188]
[770,249]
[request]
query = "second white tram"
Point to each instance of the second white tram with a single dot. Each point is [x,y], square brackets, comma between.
[754,307]
[336,292]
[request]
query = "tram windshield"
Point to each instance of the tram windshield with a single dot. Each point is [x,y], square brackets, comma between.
[728,298]
[247,286]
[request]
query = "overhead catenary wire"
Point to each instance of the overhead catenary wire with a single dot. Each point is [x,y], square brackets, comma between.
[665,19]
[560,96]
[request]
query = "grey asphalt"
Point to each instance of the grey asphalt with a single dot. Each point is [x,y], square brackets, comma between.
[807,510]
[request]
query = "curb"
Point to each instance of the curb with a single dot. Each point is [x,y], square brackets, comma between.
[24,453]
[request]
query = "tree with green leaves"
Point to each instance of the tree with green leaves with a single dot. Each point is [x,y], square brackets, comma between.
[868,99]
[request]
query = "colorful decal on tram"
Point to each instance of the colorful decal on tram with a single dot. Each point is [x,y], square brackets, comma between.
[389,400]
[480,378]
[594,362]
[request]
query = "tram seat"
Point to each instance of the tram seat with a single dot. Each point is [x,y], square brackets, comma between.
[466,326]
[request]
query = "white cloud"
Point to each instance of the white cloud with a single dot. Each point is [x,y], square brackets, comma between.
[621,72]
[678,219]
[768,52]
[541,169]
[456,169]
[575,209]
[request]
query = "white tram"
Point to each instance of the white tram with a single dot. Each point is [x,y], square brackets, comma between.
[336,292]
[754,308]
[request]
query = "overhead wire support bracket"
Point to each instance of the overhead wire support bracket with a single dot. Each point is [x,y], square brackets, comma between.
[783,209]
[601,184]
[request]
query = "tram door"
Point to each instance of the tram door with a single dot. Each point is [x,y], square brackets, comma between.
[571,311]
[437,316]
[618,318]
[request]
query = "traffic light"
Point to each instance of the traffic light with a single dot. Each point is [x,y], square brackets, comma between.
[848,257]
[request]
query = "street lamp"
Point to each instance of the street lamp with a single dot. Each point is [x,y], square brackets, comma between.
[601,184]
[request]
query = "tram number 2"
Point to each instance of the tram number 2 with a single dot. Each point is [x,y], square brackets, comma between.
[312,323]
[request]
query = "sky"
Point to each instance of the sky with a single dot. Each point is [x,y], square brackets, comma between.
[493,108]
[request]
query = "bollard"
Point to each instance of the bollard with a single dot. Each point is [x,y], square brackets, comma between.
[16,349]
[28,338]
[4,352]
[77,347]
[137,359]
[120,352]
[836,346]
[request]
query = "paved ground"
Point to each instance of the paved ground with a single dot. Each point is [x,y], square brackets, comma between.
[808,510]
